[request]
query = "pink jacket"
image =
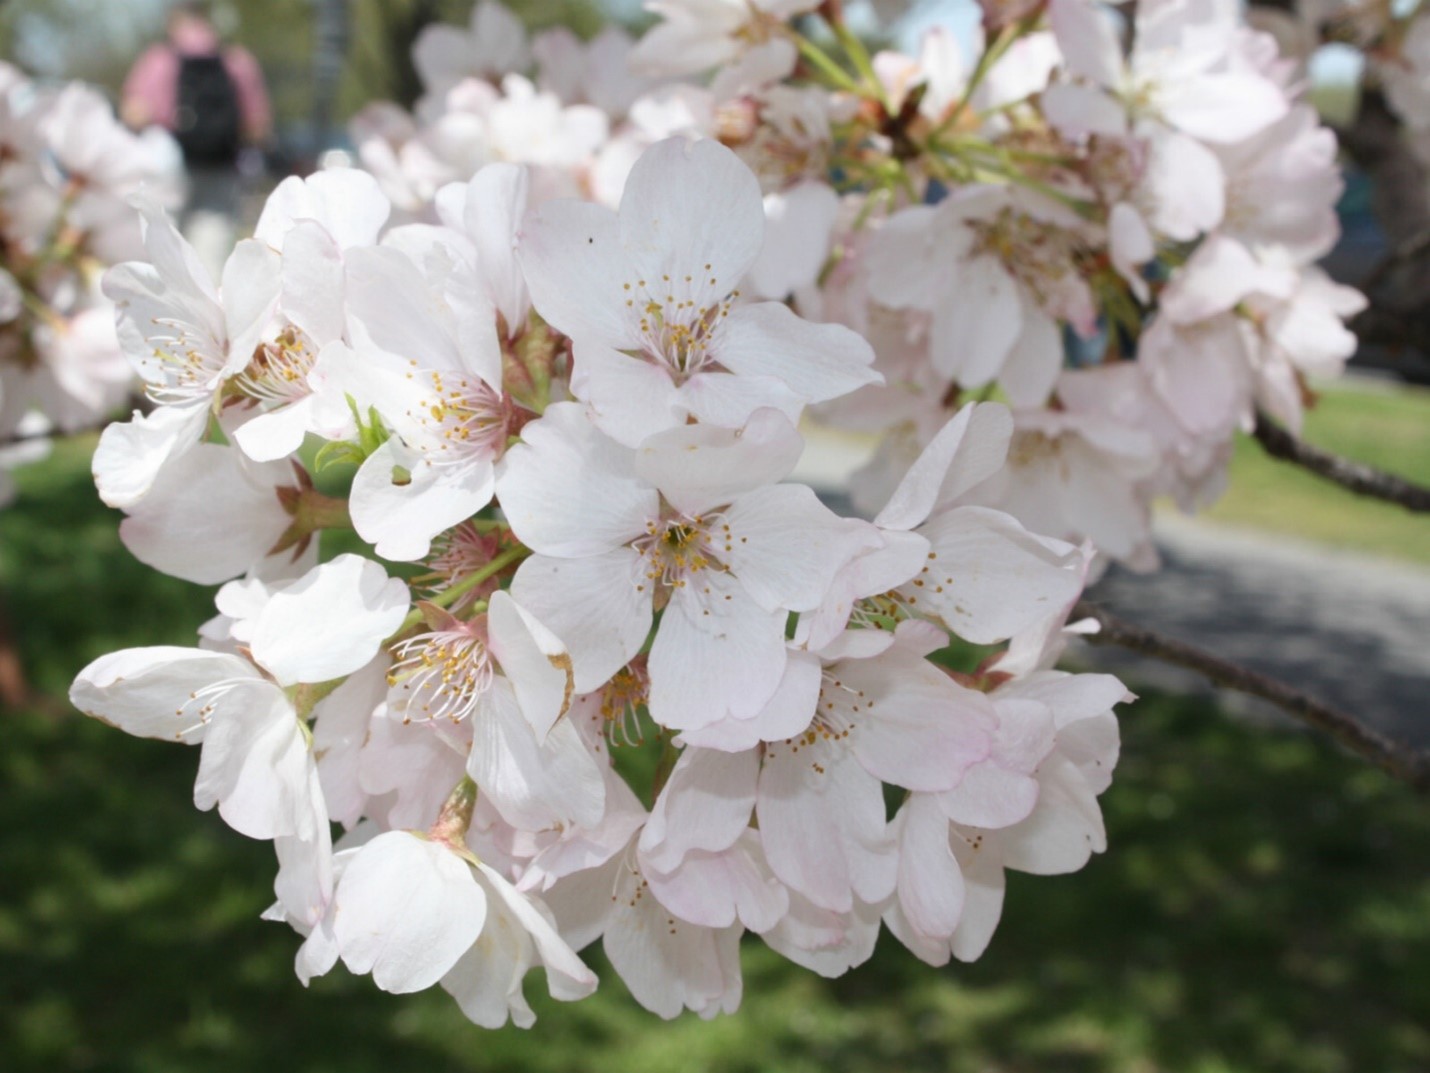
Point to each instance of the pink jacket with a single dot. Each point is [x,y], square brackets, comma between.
[151,89]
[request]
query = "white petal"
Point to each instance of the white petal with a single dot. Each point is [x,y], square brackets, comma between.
[534,659]
[968,450]
[716,653]
[400,520]
[568,490]
[149,692]
[821,818]
[692,207]
[697,467]
[991,578]
[406,910]
[705,805]
[596,606]
[786,547]
[208,517]
[817,362]
[534,785]
[576,268]
[330,622]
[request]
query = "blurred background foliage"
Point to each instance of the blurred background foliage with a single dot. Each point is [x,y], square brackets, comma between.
[97,40]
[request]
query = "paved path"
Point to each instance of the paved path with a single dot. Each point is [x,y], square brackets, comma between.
[1349,628]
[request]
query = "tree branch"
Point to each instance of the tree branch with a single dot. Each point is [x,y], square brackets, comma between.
[1354,476]
[1401,761]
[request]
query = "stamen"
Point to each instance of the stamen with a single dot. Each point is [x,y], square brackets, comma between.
[446,671]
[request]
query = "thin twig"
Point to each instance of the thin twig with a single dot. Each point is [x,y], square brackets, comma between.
[1402,761]
[1355,476]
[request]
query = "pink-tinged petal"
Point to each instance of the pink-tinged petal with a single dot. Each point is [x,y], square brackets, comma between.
[393,309]
[576,269]
[717,889]
[827,943]
[817,362]
[312,282]
[1185,184]
[1076,111]
[798,226]
[268,437]
[716,653]
[346,202]
[495,203]
[171,255]
[411,767]
[1032,366]
[977,324]
[786,547]
[704,806]
[873,573]
[698,467]
[132,453]
[1202,375]
[787,713]
[1219,275]
[567,977]
[930,889]
[1002,790]
[669,964]
[600,608]
[1092,745]
[991,578]
[821,818]
[717,398]
[907,722]
[534,785]
[487,980]
[1226,107]
[400,501]
[629,399]
[318,954]
[906,258]
[968,450]
[1071,697]
[688,208]
[151,692]
[304,884]
[1131,245]
[1087,40]
[534,659]
[406,910]
[208,517]
[340,729]
[252,277]
[1065,828]
[330,622]
[255,765]
[570,491]
[983,883]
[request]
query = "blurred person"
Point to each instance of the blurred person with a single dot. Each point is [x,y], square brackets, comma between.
[212,97]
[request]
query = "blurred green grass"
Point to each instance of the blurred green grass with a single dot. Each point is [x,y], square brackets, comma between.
[1265,905]
[1388,428]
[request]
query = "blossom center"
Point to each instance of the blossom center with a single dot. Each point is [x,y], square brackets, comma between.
[279,370]
[445,672]
[678,321]
[461,419]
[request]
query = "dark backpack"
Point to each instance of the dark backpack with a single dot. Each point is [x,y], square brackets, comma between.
[207,121]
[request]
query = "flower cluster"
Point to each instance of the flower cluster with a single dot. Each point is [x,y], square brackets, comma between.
[598,669]
[604,673]
[67,168]
[1118,242]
